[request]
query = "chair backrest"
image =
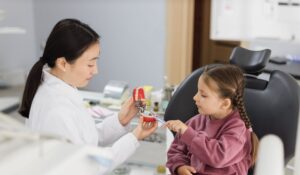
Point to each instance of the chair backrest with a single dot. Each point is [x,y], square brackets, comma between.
[252,62]
[273,105]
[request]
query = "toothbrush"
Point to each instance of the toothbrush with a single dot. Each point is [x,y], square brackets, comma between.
[157,118]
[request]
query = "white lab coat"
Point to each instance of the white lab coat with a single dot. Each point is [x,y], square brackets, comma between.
[58,108]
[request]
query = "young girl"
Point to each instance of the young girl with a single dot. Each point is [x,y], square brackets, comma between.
[219,140]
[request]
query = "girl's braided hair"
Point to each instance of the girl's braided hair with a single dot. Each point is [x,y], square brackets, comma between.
[230,84]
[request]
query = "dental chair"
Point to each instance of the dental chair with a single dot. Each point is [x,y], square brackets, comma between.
[272,105]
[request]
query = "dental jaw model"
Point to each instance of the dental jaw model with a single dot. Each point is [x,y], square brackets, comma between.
[148,118]
[139,99]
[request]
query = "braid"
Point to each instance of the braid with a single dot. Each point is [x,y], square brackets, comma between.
[242,110]
[241,107]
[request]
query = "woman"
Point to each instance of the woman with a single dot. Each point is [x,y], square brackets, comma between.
[51,101]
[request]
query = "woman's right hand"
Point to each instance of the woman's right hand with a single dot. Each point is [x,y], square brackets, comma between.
[186,170]
[141,132]
[127,112]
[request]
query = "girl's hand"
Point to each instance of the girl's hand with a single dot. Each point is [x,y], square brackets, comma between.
[127,112]
[141,131]
[186,170]
[176,126]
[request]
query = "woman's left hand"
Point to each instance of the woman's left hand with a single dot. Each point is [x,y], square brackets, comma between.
[127,112]
[141,131]
[176,126]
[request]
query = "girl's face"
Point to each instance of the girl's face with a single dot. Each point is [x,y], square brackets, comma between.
[84,68]
[209,102]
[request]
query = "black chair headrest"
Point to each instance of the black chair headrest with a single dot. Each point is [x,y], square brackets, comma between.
[252,62]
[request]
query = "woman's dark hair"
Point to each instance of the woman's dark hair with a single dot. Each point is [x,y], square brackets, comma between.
[69,39]
[230,84]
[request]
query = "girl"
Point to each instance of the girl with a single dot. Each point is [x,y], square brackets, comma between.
[219,140]
[52,103]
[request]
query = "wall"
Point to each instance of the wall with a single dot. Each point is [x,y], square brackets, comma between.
[132,36]
[279,48]
[17,51]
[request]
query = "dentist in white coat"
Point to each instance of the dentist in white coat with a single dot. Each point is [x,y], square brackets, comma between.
[52,103]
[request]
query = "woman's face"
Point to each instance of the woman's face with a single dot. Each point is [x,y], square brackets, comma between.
[84,68]
[207,99]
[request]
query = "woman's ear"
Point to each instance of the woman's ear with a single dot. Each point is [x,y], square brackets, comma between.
[226,103]
[61,64]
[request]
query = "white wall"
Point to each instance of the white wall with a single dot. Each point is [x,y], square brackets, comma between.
[17,51]
[279,48]
[132,36]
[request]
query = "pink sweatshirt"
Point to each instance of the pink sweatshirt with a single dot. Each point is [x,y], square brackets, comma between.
[213,147]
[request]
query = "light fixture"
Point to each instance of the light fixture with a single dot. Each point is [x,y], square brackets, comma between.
[9,30]
[12,30]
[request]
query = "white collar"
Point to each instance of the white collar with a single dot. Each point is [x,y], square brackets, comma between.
[50,78]
[59,85]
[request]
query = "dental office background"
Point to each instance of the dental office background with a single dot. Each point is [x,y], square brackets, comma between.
[132,37]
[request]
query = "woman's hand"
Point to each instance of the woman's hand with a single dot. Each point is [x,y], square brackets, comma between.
[127,112]
[186,170]
[176,126]
[141,131]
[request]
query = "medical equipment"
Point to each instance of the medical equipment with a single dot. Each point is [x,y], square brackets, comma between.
[115,89]
[115,93]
